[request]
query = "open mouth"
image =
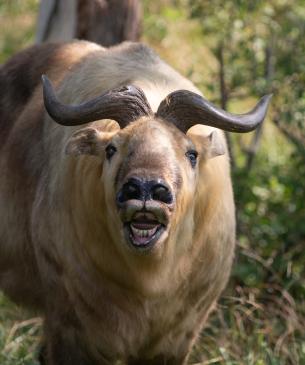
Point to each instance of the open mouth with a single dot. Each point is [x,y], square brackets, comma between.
[144,230]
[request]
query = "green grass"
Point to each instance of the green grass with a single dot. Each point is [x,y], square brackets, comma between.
[19,335]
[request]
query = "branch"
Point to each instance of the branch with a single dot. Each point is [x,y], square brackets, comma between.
[292,137]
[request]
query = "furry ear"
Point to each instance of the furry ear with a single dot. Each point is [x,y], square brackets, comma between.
[211,145]
[216,147]
[87,141]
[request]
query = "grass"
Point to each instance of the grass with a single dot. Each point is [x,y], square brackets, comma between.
[249,327]
[19,335]
[254,327]
[253,324]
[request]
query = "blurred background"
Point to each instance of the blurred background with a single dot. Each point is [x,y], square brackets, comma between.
[234,51]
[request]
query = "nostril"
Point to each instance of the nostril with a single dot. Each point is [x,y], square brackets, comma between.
[161,193]
[129,191]
[136,189]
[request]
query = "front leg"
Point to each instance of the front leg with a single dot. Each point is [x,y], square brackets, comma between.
[63,345]
[58,351]
[61,353]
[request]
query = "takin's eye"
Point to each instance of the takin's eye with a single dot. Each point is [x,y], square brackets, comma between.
[110,151]
[192,156]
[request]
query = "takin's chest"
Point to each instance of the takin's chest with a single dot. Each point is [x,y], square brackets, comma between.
[144,328]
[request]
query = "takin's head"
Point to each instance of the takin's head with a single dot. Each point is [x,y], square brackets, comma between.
[153,162]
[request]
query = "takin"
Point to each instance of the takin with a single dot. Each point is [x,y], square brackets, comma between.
[117,212]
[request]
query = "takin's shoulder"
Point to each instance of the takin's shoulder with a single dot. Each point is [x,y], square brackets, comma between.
[135,51]
[21,74]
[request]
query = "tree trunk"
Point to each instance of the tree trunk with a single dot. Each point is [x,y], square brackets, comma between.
[107,22]
[269,70]
[56,21]
[222,81]
[224,96]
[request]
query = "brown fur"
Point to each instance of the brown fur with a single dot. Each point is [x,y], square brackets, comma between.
[62,249]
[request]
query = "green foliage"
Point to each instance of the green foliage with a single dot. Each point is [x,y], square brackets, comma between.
[262,45]
[271,214]
[16,25]
[158,17]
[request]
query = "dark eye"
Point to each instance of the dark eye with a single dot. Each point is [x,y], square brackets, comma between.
[110,151]
[192,156]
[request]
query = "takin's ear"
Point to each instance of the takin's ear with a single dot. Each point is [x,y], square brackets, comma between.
[87,141]
[211,145]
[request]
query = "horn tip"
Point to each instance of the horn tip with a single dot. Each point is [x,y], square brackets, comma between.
[46,83]
[45,80]
[266,98]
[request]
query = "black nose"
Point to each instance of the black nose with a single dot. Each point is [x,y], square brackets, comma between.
[138,189]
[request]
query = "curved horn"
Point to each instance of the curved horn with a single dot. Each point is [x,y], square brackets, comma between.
[185,109]
[124,105]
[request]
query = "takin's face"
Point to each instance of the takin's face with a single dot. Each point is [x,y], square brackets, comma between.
[150,174]
[151,170]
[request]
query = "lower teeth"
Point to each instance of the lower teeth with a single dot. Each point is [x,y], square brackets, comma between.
[143,233]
